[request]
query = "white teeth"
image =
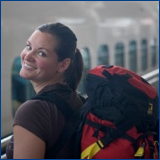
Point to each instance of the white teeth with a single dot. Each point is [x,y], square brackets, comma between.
[28,66]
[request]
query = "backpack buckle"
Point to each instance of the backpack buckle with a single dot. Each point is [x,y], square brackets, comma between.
[100,144]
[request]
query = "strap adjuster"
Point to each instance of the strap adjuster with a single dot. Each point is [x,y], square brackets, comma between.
[100,144]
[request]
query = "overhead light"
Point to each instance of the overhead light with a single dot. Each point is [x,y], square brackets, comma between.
[117,22]
[71,20]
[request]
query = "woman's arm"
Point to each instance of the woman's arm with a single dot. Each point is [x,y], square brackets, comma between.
[27,145]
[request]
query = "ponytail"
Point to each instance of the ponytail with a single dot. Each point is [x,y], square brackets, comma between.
[74,72]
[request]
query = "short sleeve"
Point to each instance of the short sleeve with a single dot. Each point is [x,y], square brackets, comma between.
[34,116]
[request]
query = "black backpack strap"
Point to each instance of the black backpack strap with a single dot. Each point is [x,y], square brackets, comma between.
[71,116]
[114,134]
[61,104]
[113,131]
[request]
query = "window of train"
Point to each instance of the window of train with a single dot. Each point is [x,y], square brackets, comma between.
[153,51]
[119,54]
[86,66]
[103,55]
[144,54]
[133,55]
[21,88]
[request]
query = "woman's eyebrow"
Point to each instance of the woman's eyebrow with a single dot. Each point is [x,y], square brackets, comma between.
[43,49]
[39,47]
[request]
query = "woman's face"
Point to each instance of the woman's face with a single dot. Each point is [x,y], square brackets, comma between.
[39,61]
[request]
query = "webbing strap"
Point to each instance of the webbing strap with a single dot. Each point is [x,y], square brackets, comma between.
[92,150]
[107,129]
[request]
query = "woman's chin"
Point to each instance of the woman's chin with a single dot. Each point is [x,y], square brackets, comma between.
[25,75]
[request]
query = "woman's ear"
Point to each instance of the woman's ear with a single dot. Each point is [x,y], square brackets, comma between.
[63,65]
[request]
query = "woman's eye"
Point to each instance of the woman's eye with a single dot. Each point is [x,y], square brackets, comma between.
[28,47]
[42,54]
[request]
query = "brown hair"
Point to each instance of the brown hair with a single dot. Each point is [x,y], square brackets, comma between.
[67,43]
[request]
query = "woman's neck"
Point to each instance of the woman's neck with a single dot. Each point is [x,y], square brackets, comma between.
[39,86]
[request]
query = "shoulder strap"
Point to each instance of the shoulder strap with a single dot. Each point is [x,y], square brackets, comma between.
[52,97]
[71,116]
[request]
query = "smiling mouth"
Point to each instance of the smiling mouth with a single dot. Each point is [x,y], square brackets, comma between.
[28,67]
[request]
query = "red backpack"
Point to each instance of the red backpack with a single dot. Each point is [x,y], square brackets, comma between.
[118,120]
[120,116]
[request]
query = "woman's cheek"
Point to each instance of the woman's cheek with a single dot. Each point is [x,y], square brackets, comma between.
[43,65]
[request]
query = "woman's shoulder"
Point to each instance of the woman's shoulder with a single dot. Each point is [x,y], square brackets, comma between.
[37,116]
[38,105]
[35,110]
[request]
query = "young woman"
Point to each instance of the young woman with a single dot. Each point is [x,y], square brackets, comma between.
[51,61]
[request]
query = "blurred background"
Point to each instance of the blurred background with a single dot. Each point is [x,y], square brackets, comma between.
[111,33]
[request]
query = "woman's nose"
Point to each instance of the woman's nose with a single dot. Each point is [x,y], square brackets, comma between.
[29,56]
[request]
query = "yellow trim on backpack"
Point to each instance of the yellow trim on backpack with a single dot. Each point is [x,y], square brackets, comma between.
[92,150]
[140,151]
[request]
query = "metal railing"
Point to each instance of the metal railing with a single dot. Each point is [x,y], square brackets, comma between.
[4,142]
[151,77]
